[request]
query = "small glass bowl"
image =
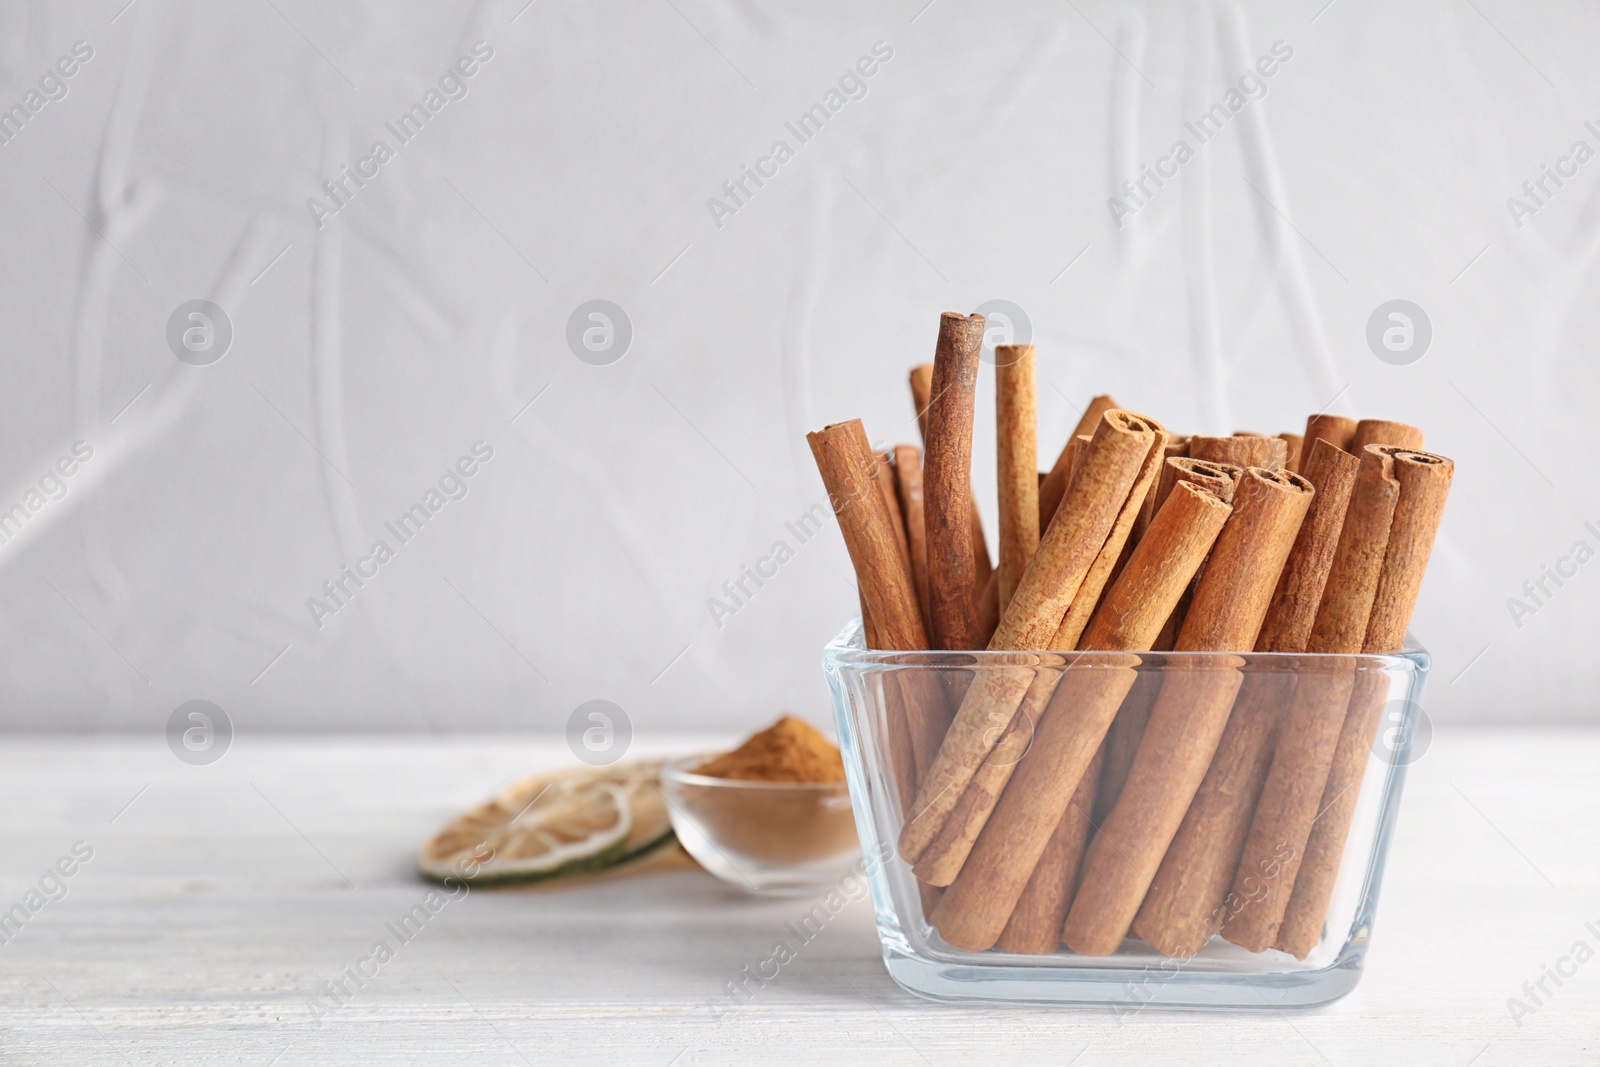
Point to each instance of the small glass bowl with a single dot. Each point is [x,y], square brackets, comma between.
[774,838]
[870,693]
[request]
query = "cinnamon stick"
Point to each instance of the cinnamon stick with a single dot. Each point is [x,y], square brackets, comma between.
[1296,445]
[1309,734]
[976,907]
[982,566]
[989,608]
[1287,627]
[901,749]
[1384,432]
[952,575]
[941,861]
[1176,447]
[1189,716]
[864,504]
[1054,486]
[1068,549]
[1075,456]
[1095,581]
[944,858]
[1220,478]
[1183,532]
[1017,451]
[1278,457]
[921,395]
[885,479]
[1188,898]
[1186,901]
[1199,471]
[1128,727]
[1240,450]
[1035,926]
[1109,465]
[1424,484]
[908,491]
[913,697]
[1352,585]
[1337,430]
[1122,741]
[849,471]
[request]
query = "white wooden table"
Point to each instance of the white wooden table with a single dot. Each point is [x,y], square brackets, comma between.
[220,900]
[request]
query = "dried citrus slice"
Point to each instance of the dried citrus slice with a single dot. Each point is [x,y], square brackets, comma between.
[553,825]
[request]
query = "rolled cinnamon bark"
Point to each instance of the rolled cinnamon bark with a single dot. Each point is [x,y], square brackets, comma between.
[1075,456]
[1175,448]
[1337,430]
[901,749]
[908,491]
[947,485]
[1352,585]
[1296,444]
[1243,569]
[1384,432]
[1054,486]
[1017,451]
[918,697]
[1287,808]
[921,395]
[1068,549]
[1122,741]
[982,566]
[1192,710]
[919,712]
[891,503]
[1220,478]
[944,858]
[1186,902]
[974,910]
[941,861]
[989,608]
[1108,468]
[1035,926]
[1279,455]
[1128,727]
[1184,531]
[1241,450]
[1424,484]
[1287,627]
[849,471]
[1084,602]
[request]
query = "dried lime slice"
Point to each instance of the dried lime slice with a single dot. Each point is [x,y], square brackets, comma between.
[550,826]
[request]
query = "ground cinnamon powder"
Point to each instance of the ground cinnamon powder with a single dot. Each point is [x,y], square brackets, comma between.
[790,750]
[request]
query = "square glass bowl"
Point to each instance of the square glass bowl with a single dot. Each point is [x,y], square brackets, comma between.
[873,738]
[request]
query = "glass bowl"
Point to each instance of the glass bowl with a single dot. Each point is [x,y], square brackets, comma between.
[876,693]
[775,838]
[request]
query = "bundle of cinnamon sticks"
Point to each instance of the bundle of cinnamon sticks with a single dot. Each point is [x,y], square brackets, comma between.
[1066,797]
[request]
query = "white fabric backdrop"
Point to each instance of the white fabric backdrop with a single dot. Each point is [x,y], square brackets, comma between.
[374,345]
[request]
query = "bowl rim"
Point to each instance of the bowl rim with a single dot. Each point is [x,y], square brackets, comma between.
[848,647]
[673,768]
